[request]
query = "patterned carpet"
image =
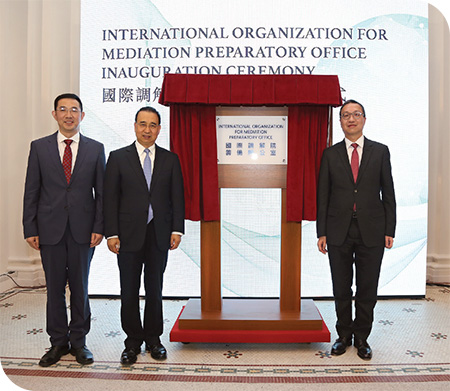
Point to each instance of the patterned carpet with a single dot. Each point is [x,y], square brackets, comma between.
[410,344]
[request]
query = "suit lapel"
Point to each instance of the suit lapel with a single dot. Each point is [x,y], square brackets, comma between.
[342,152]
[158,164]
[83,147]
[367,152]
[53,153]
[135,164]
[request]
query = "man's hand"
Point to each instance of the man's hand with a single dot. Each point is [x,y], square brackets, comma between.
[175,241]
[33,241]
[388,241]
[96,239]
[114,245]
[322,244]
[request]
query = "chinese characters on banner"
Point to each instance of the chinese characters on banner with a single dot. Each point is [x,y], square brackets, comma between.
[127,95]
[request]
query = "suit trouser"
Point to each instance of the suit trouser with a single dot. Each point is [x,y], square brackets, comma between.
[130,266]
[67,261]
[367,261]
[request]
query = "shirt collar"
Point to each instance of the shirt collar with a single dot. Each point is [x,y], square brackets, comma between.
[360,142]
[140,149]
[75,138]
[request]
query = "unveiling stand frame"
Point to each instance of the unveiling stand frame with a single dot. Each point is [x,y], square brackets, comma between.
[213,318]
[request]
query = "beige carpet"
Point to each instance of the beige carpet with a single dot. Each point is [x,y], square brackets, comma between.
[410,341]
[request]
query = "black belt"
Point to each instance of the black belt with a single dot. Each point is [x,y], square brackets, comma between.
[354,215]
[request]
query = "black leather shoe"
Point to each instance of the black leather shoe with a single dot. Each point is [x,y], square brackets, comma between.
[157,351]
[53,355]
[129,356]
[83,355]
[364,350]
[340,346]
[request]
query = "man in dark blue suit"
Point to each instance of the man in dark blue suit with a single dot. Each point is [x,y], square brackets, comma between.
[356,218]
[144,218]
[63,219]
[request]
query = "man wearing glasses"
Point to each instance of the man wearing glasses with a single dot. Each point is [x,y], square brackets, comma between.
[63,219]
[356,218]
[144,218]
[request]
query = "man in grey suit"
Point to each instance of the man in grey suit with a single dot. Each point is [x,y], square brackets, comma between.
[356,218]
[63,219]
[144,218]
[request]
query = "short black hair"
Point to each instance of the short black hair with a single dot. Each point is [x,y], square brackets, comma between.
[67,95]
[352,101]
[151,110]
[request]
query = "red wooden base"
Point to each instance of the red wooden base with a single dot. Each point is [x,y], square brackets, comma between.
[249,336]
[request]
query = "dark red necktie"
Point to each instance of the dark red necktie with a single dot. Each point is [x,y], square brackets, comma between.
[67,160]
[355,165]
[355,161]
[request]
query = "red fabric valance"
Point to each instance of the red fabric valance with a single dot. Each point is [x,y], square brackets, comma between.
[193,99]
[250,90]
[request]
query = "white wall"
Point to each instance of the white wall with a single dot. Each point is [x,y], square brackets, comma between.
[39,46]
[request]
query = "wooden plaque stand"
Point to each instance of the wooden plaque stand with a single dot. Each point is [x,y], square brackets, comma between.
[215,319]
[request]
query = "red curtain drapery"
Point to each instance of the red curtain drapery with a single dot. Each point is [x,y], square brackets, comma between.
[307,138]
[193,138]
[193,99]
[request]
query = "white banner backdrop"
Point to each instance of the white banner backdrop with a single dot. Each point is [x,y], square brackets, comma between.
[380,53]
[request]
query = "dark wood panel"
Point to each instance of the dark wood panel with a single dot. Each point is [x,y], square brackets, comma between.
[211,285]
[252,176]
[250,314]
[291,253]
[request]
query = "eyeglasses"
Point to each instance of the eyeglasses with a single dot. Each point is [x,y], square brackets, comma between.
[151,125]
[63,109]
[356,115]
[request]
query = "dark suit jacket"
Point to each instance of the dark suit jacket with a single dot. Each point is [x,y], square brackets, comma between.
[127,198]
[50,203]
[373,194]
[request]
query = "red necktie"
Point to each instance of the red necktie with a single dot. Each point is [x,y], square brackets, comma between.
[355,161]
[355,165]
[67,160]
